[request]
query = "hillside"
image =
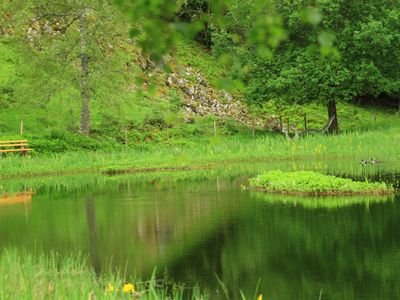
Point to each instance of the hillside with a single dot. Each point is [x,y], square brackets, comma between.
[133,100]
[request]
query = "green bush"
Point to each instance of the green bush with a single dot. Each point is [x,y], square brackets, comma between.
[58,142]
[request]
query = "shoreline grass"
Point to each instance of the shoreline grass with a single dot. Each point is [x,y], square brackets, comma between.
[352,146]
[315,184]
[27,276]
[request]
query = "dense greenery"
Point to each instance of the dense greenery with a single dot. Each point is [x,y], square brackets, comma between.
[41,57]
[357,57]
[105,87]
[313,183]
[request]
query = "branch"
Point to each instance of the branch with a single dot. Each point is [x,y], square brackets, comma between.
[328,125]
[70,50]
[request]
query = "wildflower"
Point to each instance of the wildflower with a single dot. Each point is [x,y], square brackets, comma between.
[259,297]
[128,288]
[110,288]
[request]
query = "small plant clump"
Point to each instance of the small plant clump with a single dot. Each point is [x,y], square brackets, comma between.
[313,183]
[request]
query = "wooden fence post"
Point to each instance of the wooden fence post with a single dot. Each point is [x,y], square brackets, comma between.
[288,125]
[21,128]
[126,137]
[215,128]
[305,122]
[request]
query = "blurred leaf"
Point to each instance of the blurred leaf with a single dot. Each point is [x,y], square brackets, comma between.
[312,16]
[264,52]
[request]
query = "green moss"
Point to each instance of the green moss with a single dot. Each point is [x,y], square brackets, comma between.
[313,183]
[195,55]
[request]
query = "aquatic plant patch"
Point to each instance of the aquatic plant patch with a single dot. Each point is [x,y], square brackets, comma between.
[314,183]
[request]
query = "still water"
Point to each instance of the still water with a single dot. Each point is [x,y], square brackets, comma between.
[195,226]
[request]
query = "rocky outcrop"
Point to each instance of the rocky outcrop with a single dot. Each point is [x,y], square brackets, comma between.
[200,98]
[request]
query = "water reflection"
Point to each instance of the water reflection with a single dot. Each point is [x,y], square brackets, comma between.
[200,224]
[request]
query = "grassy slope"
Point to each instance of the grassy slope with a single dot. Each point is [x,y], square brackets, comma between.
[47,125]
[47,110]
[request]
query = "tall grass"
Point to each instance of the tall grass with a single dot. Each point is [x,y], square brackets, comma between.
[378,144]
[27,276]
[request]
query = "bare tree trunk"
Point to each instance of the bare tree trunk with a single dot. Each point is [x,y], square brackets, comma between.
[84,81]
[332,113]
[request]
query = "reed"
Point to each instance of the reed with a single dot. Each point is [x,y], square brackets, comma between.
[352,146]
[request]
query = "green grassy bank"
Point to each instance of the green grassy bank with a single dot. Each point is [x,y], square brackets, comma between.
[379,143]
[28,276]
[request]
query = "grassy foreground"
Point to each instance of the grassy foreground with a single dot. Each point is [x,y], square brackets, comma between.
[351,146]
[314,183]
[25,276]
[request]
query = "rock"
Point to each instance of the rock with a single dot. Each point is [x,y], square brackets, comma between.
[202,99]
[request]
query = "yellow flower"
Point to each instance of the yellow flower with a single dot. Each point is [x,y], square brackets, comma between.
[128,288]
[259,297]
[110,288]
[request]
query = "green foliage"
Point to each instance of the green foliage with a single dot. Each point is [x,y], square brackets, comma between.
[358,42]
[190,53]
[39,83]
[156,26]
[7,71]
[351,117]
[313,183]
[60,141]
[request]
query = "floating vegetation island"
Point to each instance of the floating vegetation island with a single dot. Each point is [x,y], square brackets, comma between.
[313,183]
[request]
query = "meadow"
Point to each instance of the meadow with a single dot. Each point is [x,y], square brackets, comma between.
[380,142]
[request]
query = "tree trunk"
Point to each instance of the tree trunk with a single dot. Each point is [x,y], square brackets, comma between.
[334,126]
[84,80]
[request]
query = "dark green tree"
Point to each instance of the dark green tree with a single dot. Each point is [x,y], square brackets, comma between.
[357,54]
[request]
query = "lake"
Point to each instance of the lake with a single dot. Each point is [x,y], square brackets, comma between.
[201,227]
